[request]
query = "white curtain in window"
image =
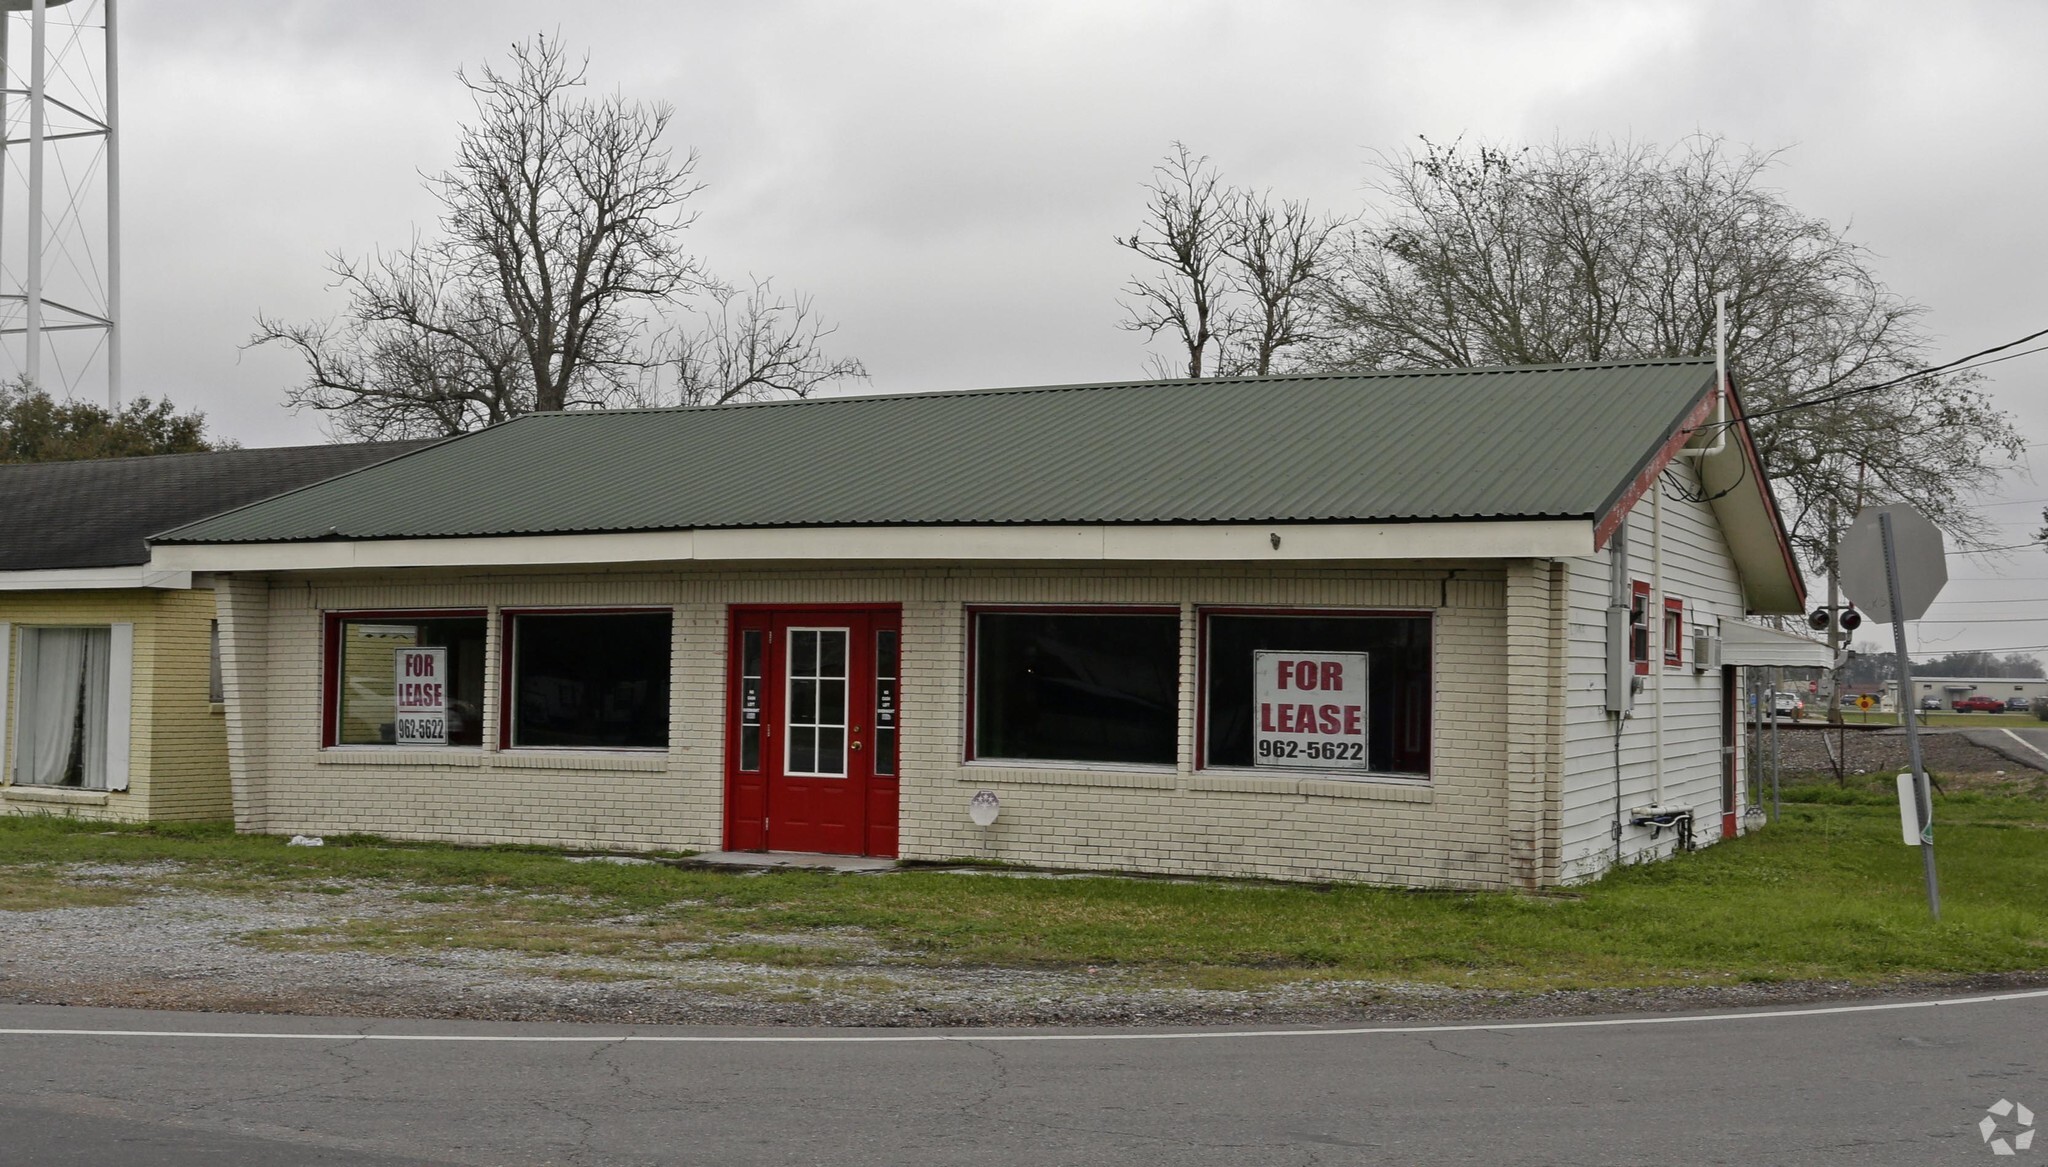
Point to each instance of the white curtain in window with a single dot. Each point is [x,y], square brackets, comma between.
[93,750]
[64,674]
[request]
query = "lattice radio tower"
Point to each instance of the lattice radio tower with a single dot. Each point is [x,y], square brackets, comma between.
[60,197]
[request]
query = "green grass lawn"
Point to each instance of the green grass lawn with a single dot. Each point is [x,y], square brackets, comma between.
[1829,892]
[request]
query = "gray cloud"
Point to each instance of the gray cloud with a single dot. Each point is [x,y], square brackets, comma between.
[945,177]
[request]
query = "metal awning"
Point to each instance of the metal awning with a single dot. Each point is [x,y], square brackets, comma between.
[1743,643]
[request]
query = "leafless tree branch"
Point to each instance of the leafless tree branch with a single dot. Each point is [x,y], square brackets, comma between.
[555,281]
[1604,251]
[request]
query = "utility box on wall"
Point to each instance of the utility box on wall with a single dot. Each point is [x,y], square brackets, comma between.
[1621,672]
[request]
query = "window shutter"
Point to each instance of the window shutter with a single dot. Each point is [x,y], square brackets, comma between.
[6,675]
[120,701]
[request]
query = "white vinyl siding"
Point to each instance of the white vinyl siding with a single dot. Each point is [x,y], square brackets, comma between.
[1699,570]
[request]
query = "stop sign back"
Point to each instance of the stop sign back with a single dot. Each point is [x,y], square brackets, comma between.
[1922,562]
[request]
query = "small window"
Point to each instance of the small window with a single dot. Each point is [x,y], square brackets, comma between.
[1392,652]
[1077,686]
[438,702]
[60,724]
[1639,626]
[589,680]
[1674,631]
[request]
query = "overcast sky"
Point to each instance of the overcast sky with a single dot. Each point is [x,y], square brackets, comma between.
[945,177]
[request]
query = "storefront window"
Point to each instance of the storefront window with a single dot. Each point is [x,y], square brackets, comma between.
[440,700]
[1317,691]
[1077,686]
[590,680]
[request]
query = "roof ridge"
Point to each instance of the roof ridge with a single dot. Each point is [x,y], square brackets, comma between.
[1150,383]
[421,446]
[137,459]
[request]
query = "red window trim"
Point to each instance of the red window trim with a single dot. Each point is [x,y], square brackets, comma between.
[1202,615]
[1639,630]
[1674,646]
[974,613]
[506,658]
[330,652]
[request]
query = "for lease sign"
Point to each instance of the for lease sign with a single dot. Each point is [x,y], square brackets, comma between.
[1310,710]
[422,712]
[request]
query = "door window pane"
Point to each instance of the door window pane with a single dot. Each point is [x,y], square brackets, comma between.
[366,677]
[1077,687]
[590,680]
[1398,695]
[60,722]
[885,701]
[750,699]
[817,702]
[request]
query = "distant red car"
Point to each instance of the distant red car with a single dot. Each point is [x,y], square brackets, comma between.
[1980,705]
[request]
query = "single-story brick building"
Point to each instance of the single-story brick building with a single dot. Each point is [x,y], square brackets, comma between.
[110,704]
[1449,627]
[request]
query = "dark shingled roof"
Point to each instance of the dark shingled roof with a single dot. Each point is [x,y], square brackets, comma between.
[1548,441]
[100,512]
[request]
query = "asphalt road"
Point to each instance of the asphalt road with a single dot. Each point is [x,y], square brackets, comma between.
[2026,746]
[1861,1086]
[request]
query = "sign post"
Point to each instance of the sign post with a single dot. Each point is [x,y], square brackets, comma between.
[421,694]
[1309,710]
[1893,565]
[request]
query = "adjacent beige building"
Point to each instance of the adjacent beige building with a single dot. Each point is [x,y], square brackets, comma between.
[110,691]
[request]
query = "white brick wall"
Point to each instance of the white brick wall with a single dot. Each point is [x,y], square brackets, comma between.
[1455,831]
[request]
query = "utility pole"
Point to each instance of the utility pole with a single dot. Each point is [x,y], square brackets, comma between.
[1922,797]
[1894,563]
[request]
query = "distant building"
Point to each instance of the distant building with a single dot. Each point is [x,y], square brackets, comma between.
[1949,690]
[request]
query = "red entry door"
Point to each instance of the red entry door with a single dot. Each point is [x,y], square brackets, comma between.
[812,705]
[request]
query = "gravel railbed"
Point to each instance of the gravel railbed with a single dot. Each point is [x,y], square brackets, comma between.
[174,948]
[1806,750]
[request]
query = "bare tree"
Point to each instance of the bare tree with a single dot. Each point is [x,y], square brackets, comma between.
[1280,255]
[420,352]
[1592,251]
[1185,227]
[1236,277]
[553,282]
[756,345]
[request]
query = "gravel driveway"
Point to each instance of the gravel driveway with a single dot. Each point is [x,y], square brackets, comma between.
[176,948]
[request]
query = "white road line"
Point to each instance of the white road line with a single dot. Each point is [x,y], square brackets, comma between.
[976,1037]
[2025,742]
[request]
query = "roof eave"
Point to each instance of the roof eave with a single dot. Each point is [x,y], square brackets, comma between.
[1078,543]
[1742,500]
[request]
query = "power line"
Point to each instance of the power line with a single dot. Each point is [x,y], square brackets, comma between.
[1946,366]
[2041,619]
[2014,600]
[2007,547]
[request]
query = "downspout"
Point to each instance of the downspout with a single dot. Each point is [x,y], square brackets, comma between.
[1720,422]
[1658,649]
[1620,673]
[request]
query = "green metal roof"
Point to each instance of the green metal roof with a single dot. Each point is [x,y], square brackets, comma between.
[1548,441]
